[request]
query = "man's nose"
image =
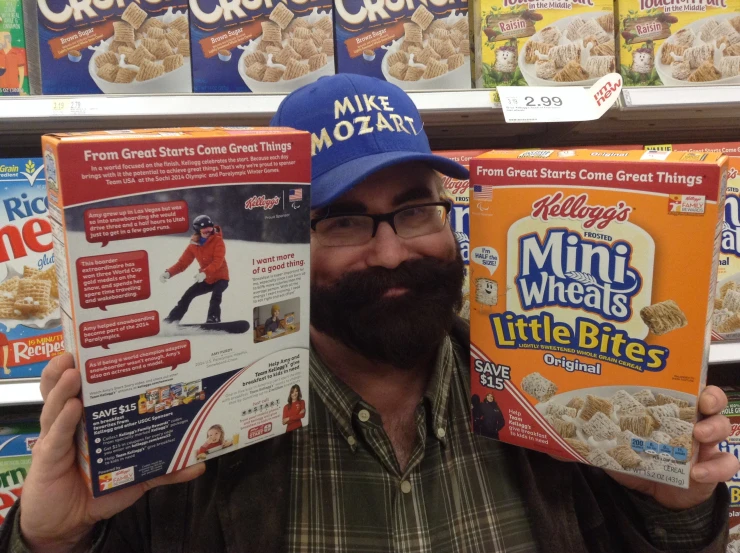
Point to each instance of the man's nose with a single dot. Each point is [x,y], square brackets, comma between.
[387,249]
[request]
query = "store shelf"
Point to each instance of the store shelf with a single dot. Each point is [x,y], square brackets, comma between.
[20,392]
[682,98]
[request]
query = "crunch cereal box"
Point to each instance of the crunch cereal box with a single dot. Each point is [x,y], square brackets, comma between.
[679,43]
[14,79]
[416,45]
[544,42]
[588,332]
[264,46]
[122,47]
[174,250]
[30,324]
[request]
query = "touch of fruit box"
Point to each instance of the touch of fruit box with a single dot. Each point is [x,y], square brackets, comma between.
[588,332]
[544,42]
[679,43]
[15,460]
[30,325]
[13,65]
[270,46]
[183,264]
[416,45]
[732,445]
[122,47]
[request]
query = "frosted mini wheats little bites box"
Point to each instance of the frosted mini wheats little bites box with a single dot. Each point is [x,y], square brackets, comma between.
[114,47]
[182,259]
[588,331]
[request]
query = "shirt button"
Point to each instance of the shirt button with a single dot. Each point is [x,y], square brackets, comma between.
[406,486]
[441,432]
[351,440]
[364,415]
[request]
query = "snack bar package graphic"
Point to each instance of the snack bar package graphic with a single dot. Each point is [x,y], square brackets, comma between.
[30,325]
[173,247]
[260,47]
[589,335]
[123,47]
[14,80]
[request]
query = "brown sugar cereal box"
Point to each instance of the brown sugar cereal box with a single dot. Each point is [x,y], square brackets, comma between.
[263,46]
[118,47]
[414,45]
[666,43]
[182,258]
[14,78]
[589,336]
[544,42]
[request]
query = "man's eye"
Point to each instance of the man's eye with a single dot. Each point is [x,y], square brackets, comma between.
[341,223]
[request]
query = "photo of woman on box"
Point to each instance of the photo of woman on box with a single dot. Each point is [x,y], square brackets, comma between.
[492,419]
[295,410]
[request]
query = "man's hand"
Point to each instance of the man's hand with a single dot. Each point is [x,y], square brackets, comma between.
[58,511]
[199,276]
[164,277]
[712,467]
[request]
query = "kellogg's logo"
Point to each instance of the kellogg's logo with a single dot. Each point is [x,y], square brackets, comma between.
[577,208]
[456,186]
[210,15]
[355,15]
[60,14]
[261,202]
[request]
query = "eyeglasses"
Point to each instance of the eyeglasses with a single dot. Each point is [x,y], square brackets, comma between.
[339,229]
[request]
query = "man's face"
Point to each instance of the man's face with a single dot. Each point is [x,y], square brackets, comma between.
[4,40]
[206,232]
[391,299]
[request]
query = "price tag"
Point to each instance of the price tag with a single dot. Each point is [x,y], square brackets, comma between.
[549,104]
[64,106]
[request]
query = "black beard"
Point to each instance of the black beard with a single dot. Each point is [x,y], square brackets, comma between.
[402,331]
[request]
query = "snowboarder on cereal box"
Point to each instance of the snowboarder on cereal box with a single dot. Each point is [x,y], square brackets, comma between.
[208,248]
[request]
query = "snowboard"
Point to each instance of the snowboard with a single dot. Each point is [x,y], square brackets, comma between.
[232,327]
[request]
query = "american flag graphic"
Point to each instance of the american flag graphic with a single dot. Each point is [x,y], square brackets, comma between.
[295,195]
[481,192]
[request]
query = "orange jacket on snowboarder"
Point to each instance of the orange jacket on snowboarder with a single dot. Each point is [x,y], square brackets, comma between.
[211,256]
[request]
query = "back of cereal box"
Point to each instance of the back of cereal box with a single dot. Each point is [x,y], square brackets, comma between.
[589,335]
[260,47]
[14,79]
[114,48]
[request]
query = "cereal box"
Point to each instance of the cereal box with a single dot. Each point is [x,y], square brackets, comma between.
[414,45]
[122,47]
[589,336]
[270,46]
[457,191]
[183,264]
[30,325]
[679,43]
[544,42]
[14,79]
[15,460]
[732,445]
[724,325]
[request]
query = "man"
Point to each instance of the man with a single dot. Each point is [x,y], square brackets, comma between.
[208,248]
[388,461]
[12,66]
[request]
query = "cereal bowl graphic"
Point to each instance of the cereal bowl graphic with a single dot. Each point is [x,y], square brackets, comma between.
[573,51]
[726,315]
[703,53]
[284,68]
[137,70]
[442,61]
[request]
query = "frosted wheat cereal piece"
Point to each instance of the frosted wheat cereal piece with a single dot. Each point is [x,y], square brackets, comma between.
[698,55]
[173,38]
[606,49]
[535,47]
[426,55]
[317,62]
[573,31]
[108,72]
[626,404]
[151,23]
[462,26]
[668,49]
[571,73]
[273,74]
[126,75]
[625,437]
[537,385]
[545,70]
[735,22]
[444,48]
[684,37]
[729,324]
[398,70]
[115,46]
[255,57]
[407,45]
[563,428]
[123,32]
[271,32]
[434,69]
[659,412]
[664,399]
[606,22]
[685,441]
[149,71]
[598,66]
[600,458]
[726,31]
[134,15]
[601,427]
[156,33]
[327,47]
[150,44]
[592,28]
[726,287]
[642,425]
[271,48]
[298,22]
[307,49]
[256,71]
[550,35]
[181,24]
[412,32]
[140,55]
[285,55]
[659,437]
[557,410]
[731,300]
[164,50]
[456,37]
[295,69]
[304,33]
[730,67]
[171,63]
[718,304]
[580,446]
[562,55]
[33,297]
[101,60]
[325,24]
[441,33]
[576,403]
[663,317]
[422,17]
[414,73]
[455,61]
[486,291]
[465,48]
[396,57]
[281,15]
[707,30]
[183,48]
[594,405]
[645,397]
[318,37]
[126,51]
[625,456]
[674,427]
[687,414]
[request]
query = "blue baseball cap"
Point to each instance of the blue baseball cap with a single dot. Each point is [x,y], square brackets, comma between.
[359,125]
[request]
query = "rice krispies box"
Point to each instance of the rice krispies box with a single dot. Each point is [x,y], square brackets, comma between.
[122,47]
[593,274]
[30,325]
[679,43]
[263,47]
[544,42]
[170,245]
[414,45]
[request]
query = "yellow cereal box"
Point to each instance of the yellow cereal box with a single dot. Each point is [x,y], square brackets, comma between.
[593,274]
[544,42]
[667,43]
